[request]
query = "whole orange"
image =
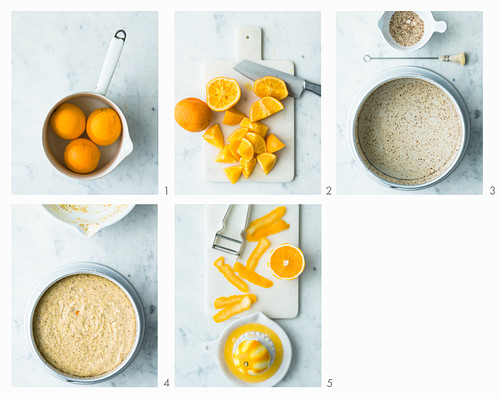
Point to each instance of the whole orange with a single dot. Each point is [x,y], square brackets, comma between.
[193,114]
[104,126]
[68,121]
[81,156]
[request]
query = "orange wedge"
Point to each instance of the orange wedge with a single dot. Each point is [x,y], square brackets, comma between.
[230,276]
[270,86]
[222,93]
[237,135]
[225,301]
[233,148]
[246,150]
[275,228]
[286,262]
[214,136]
[273,144]
[254,127]
[233,173]
[230,311]
[232,117]
[259,144]
[253,259]
[248,167]
[264,108]
[252,277]
[266,220]
[225,156]
[266,161]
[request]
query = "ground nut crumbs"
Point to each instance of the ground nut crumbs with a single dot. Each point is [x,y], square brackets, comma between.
[84,325]
[406,28]
[408,131]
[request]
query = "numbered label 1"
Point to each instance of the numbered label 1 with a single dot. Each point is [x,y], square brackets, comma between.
[166,190]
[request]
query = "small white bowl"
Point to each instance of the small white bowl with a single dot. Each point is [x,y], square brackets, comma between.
[430,26]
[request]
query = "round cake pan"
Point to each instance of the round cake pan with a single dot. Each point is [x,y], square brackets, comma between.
[416,73]
[85,268]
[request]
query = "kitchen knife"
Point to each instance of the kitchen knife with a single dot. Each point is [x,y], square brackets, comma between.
[294,84]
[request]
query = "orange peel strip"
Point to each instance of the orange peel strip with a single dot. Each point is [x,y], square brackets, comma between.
[230,311]
[275,228]
[230,276]
[266,220]
[253,259]
[219,262]
[253,277]
[225,301]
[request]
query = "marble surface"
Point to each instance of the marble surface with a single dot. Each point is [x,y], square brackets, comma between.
[55,54]
[128,246]
[357,35]
[294,36]
[194,367]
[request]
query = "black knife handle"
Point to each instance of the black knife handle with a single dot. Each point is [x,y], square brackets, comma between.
[313,87]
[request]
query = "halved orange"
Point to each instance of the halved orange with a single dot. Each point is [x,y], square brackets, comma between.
[222,93]
[259,144]
[237,135]
[246,150]
[233,173]
[270,86]
[266,161]
[214,136]
[264,108]
[286,262]
[232,117]
[273,144]
[254,127]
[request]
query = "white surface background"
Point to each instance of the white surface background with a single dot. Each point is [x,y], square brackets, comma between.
[294,36]
[357,35]
[194,367]
[128,246]
[57,54]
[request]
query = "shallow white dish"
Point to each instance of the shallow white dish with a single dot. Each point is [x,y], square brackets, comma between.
[216,349]
[88,219]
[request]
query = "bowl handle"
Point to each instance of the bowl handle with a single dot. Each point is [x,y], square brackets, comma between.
[110,62]
[440,26]
[211,347]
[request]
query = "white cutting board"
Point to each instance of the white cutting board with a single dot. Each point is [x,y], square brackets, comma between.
[281,301]
[282,125]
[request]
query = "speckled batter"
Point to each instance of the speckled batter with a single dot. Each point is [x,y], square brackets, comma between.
[408,131]
[84,325]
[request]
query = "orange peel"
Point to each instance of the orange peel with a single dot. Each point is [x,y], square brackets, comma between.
[266,220]
[275,228]
[229,311]
[225,301]
[253,259]
[230,276]
[252,277]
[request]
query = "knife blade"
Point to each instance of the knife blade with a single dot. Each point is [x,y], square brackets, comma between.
[294,84]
